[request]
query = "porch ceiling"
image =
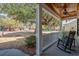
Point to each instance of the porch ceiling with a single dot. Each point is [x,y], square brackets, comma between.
[58,8]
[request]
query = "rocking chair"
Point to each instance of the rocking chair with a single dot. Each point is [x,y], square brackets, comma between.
[67,41]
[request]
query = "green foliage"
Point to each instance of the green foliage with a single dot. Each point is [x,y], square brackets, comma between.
[65,33]
[48,21]
[7,22]
[21,11]
[30,41]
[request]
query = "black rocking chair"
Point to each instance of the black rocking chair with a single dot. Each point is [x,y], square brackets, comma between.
[67,41]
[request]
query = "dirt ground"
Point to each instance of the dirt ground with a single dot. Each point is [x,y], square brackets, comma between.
[11,42]
[13,39]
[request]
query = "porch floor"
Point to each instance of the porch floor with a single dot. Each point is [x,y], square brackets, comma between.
[55,51]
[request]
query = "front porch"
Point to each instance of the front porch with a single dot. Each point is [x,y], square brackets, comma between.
[50,48]
[53,50]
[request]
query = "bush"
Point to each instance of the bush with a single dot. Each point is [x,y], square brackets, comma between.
[30,41]
[63,34]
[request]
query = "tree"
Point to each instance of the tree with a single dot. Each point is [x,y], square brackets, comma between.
[48,21]
[19,11]
[54,23]
[23,12]
[8,22]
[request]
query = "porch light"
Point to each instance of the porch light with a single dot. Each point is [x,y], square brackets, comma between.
[65,12]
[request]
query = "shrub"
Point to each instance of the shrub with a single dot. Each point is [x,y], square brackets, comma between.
[30,41]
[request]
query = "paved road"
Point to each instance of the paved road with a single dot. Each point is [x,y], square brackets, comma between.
[16,33]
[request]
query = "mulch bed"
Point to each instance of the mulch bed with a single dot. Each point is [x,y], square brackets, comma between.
[30,51]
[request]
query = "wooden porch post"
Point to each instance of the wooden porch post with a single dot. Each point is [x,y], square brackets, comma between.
[60,24]
[38,30]
[78,22]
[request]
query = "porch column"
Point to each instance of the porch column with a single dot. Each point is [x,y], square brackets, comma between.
[38,30]
[60,24]
[78,22]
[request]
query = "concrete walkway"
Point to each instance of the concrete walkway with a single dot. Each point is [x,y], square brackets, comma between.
[12,52]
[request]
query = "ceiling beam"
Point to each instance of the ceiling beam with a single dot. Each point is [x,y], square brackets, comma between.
[53,8]
[58,9]
[48,10]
